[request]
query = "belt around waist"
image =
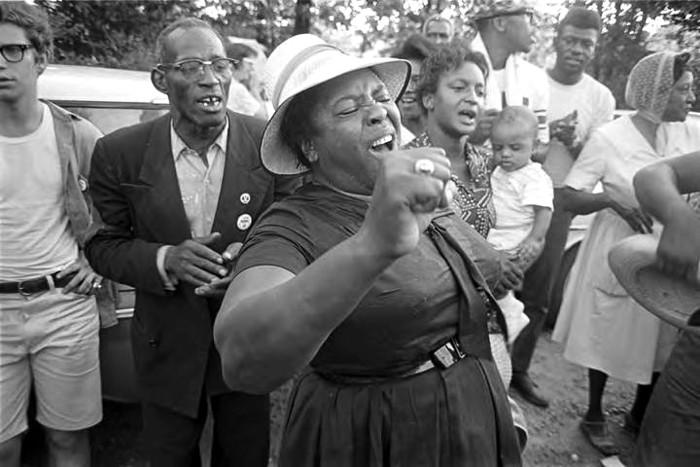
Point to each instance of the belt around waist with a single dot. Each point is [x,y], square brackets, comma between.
[32,286]
[441,358]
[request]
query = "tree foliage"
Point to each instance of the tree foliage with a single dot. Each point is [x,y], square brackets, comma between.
[111,33]
[123,33]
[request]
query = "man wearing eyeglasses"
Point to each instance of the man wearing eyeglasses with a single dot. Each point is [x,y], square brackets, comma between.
[177,196]
[49,323]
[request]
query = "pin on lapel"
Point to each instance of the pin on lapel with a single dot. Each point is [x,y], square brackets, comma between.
[245,198]
[244,222]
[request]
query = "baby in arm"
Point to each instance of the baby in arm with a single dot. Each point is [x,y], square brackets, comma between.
[522,197]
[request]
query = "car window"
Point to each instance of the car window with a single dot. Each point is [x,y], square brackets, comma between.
[110,119]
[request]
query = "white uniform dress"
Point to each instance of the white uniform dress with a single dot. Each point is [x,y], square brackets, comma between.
[600,325]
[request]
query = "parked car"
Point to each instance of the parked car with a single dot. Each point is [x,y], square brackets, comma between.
[577,232]
[110,99]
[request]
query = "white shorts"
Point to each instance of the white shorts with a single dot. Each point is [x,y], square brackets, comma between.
[50,340]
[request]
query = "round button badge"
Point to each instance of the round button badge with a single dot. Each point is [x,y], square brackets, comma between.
[245,198]
[244,221]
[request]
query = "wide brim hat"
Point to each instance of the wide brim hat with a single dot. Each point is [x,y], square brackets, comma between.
[486,9]
[301,63]
[671,298]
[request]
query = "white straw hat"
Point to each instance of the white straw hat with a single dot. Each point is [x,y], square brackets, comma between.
[671,298]
[300,63]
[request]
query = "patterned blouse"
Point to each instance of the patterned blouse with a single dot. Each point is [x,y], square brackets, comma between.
[473,200]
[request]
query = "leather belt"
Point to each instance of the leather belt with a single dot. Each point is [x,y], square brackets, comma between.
[32,286]
[443,357]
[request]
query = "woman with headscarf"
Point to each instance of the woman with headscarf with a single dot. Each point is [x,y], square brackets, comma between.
[599,324]
[362,276]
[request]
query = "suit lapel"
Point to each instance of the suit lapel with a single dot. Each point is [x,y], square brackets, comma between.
[239,145]
[158,171]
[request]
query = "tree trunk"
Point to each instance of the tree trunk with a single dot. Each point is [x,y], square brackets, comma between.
[302,20]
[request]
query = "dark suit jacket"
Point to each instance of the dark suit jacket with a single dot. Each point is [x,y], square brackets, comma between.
[134,186]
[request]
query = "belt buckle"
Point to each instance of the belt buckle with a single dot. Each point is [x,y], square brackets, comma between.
[456,349]
[21,290]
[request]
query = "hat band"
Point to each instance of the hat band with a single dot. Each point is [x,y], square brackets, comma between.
[292,66]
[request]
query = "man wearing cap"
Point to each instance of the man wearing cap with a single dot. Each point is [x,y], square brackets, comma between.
[177,195]
[49,323]
[578,105]
[503,33]
[438,29]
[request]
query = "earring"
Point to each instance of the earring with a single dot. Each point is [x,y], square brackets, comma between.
[309,151]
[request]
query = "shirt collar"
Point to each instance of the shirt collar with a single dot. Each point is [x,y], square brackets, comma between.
[178,145]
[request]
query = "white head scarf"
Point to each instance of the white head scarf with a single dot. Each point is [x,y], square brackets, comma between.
[650,84]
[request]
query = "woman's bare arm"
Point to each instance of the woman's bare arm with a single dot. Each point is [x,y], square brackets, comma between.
[272,323]
[582,202]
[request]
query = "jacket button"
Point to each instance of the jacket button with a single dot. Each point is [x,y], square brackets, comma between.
[152,342]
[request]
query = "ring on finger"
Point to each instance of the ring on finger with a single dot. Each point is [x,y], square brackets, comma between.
[96,285]
[424,167]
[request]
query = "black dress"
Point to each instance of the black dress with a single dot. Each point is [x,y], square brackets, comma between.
[353,408]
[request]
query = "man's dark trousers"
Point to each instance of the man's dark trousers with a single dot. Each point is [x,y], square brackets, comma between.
[241,435]
[537,286]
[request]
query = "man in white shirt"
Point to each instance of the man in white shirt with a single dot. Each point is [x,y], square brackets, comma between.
[49,322]
[578,105]
[504,33]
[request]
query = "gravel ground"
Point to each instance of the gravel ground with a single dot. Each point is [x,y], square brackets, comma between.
[555,439]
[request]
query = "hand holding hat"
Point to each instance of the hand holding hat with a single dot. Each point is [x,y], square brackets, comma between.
[670,297]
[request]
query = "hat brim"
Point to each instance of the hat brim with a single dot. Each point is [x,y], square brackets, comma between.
[670,298]
[279,158]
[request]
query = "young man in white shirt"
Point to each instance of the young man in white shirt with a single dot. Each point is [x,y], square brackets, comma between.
[49,322]
[504,33]
[578,105]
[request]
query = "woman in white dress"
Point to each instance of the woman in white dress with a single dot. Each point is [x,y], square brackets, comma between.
[599,323]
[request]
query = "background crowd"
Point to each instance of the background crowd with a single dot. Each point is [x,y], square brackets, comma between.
[490,158]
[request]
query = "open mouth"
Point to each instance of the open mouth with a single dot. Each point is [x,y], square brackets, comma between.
[383,144]
[409,97]
[210,103]
[468,114]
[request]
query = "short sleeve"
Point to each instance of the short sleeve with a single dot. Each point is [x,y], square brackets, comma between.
[589,168]
[606,110]
[280,238]
[542,95]
[537,188]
